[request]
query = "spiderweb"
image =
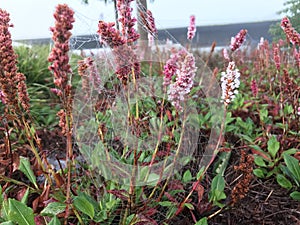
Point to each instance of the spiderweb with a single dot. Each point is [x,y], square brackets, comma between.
[130,134]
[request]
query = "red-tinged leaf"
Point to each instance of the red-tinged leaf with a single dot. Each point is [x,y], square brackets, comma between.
[261,153]
[143,220]
[199,189]
[175,185]
[170,197]
[20,193]
[150,212]
[169,115]
[193,216]
[16,161]
[39,220]
[297,155]
[45,194]
[59,180]
[39,202]
[121,194]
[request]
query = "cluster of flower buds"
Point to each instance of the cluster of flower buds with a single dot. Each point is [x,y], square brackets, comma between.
[192,28]
[182,66]
[296,54]
[225,54]
[238,40]
[151,24]
[90,77]
[125,60]
[292,35]
[127,21]
[230,83]
[12,84]
[276,55]
[254,88]
[59,57]
[109,35]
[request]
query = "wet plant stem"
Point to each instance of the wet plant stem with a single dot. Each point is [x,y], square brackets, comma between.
[69,159]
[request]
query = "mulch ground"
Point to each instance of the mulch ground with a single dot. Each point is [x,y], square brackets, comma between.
[266,203]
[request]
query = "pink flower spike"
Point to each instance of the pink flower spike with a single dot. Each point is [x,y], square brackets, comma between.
[238,40]
[230,83]
[292,35]
[151,23]
[254,88]
[276,56]
[192,28]
[182,65]
[225,54]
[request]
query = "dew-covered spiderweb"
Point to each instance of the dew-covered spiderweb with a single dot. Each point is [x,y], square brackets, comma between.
[128,132]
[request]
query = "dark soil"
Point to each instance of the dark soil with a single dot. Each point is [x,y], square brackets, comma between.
[266,203]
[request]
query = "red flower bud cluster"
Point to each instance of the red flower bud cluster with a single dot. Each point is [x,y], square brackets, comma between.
[238,40]
[292,35]
[126,20]
[59,54]
[276,56]
[12,84]
[254,88]
[125,60]
[192,28]
[110,35]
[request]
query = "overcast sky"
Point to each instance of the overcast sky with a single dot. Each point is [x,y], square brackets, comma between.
[32,18]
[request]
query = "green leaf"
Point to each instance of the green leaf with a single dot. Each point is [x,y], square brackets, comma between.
[130,219]
[273,146]
[7,223]
[259,172]
[25,197]
[5,209]
[283,181]
[263,115]
[54,221]
[295,195]
[259,161]
[203,221]
[293,166]
[166,203]
[217,190]
[187,176]
[26,169]
[20,213]
[189,206]
[53,209]
[288,109]
[83,205]
[201,173]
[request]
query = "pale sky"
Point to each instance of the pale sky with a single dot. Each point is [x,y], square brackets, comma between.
[32,18]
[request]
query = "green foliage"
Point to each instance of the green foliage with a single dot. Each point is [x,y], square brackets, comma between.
[293,167]
[26,169]
[16,212]
[53,209]
[203,221]
[83,204]
[217,190]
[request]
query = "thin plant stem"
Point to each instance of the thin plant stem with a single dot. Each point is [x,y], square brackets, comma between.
[208,165]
